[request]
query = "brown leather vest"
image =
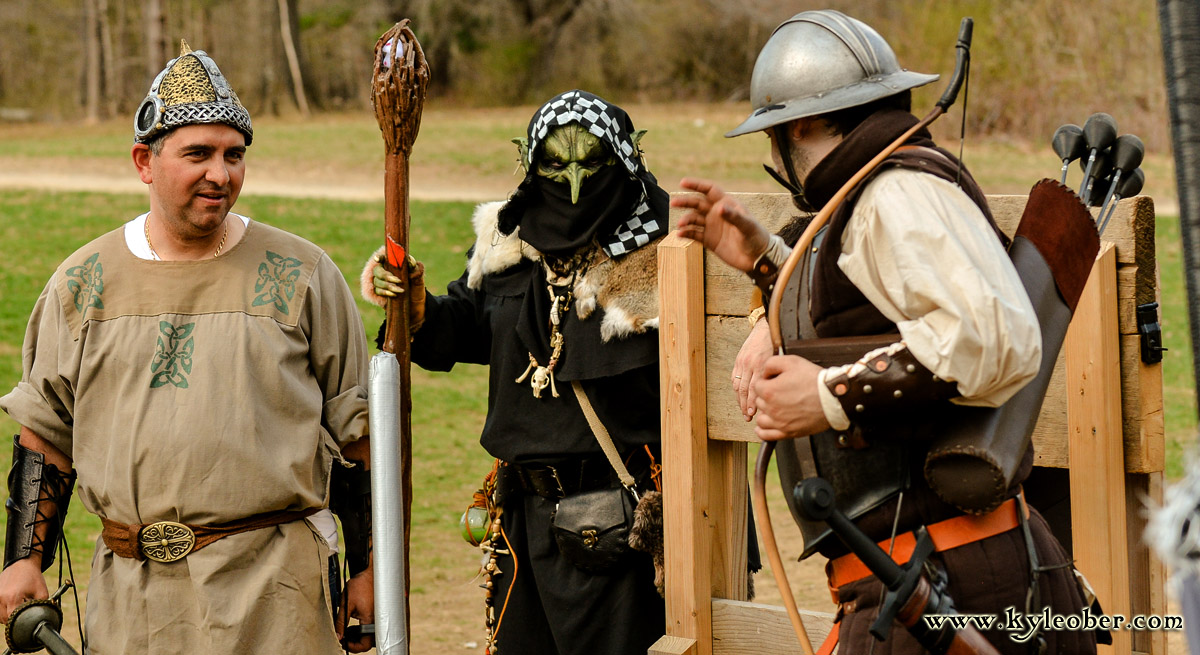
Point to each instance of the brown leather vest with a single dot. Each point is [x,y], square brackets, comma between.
[866,480]
[838,308]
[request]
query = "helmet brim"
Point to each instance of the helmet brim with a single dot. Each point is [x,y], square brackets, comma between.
[869,90]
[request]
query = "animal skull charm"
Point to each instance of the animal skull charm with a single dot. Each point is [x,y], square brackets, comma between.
[543,377]
[540,380]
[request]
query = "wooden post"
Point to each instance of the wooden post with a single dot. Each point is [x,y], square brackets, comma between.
[1147,574]
[729,514]
[673,646]
[688,531]
[1097,458]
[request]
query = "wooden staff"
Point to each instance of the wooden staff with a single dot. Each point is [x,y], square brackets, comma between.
[399,81]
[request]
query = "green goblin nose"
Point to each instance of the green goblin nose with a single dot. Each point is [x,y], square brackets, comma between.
[575,175]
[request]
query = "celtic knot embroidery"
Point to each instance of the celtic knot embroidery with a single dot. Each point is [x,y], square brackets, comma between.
[86,283]
[173,356]
[277,281]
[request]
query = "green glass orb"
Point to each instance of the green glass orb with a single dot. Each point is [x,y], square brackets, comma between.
[474,525]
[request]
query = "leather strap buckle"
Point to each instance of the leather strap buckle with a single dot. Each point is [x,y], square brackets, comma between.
[166,541]
[545,482]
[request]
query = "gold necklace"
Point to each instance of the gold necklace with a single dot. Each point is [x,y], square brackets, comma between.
[216,253]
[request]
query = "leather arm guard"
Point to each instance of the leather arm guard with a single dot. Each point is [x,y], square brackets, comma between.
[887,384]
[765,271]
[33,486]
[350,499]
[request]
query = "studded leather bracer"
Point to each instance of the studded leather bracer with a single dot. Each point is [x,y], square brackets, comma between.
[38,494]
[887,384]
[350,499]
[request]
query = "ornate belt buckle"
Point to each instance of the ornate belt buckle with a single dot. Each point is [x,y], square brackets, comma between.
[166,541]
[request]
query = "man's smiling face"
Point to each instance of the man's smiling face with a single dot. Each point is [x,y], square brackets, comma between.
[195,180]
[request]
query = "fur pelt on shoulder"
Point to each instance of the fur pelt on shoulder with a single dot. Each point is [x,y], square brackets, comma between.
[626,288]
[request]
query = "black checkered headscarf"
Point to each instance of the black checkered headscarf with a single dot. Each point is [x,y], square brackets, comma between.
[648,216]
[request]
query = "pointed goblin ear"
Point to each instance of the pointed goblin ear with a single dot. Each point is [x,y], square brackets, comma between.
[522,150]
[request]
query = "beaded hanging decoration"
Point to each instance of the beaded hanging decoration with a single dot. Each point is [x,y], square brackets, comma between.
[494,544]
[560,276]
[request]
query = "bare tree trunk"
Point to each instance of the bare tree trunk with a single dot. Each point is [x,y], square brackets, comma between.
[156,44]
[91,60]
[124,62]
[262,19]
[108,61]
[293,59]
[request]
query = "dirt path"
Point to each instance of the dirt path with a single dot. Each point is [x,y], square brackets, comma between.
[425,187]
[422,188]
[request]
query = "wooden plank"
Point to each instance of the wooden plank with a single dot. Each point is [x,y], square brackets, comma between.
[668,645]
[1142,409]
[728,292]
[688,531]
[741,628]
[1141,401]
[1156,581]
[724,337]
[728,501]
[1147,575]
[1131,229]
[1094,432]
[1141,414]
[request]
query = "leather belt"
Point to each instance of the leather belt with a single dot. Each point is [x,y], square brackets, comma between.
[946,535]
[561,479]
[168,541]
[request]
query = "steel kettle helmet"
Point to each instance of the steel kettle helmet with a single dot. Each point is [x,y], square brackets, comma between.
[822,61]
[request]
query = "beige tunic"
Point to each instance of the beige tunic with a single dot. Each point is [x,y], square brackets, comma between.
[201,392]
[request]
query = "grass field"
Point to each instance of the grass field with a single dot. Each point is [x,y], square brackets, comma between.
[457,149]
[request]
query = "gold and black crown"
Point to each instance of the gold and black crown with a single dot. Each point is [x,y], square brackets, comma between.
[190,90]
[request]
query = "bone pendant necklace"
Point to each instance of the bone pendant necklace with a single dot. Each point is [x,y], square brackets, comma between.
[543,376]
[540,376]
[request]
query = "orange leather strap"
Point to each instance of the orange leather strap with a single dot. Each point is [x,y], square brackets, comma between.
[831,641]
[948,534]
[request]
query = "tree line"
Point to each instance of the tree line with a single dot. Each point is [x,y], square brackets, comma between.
[1036,63]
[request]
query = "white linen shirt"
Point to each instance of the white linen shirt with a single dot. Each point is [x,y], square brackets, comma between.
[925,256]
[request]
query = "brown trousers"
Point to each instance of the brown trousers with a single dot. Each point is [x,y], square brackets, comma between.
[985,577]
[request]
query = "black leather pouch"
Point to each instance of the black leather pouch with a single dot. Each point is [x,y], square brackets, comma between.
[592,528]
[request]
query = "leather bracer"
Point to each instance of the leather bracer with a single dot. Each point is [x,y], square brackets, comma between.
[350,499]
[765,271]
[34,489]
[887,384]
